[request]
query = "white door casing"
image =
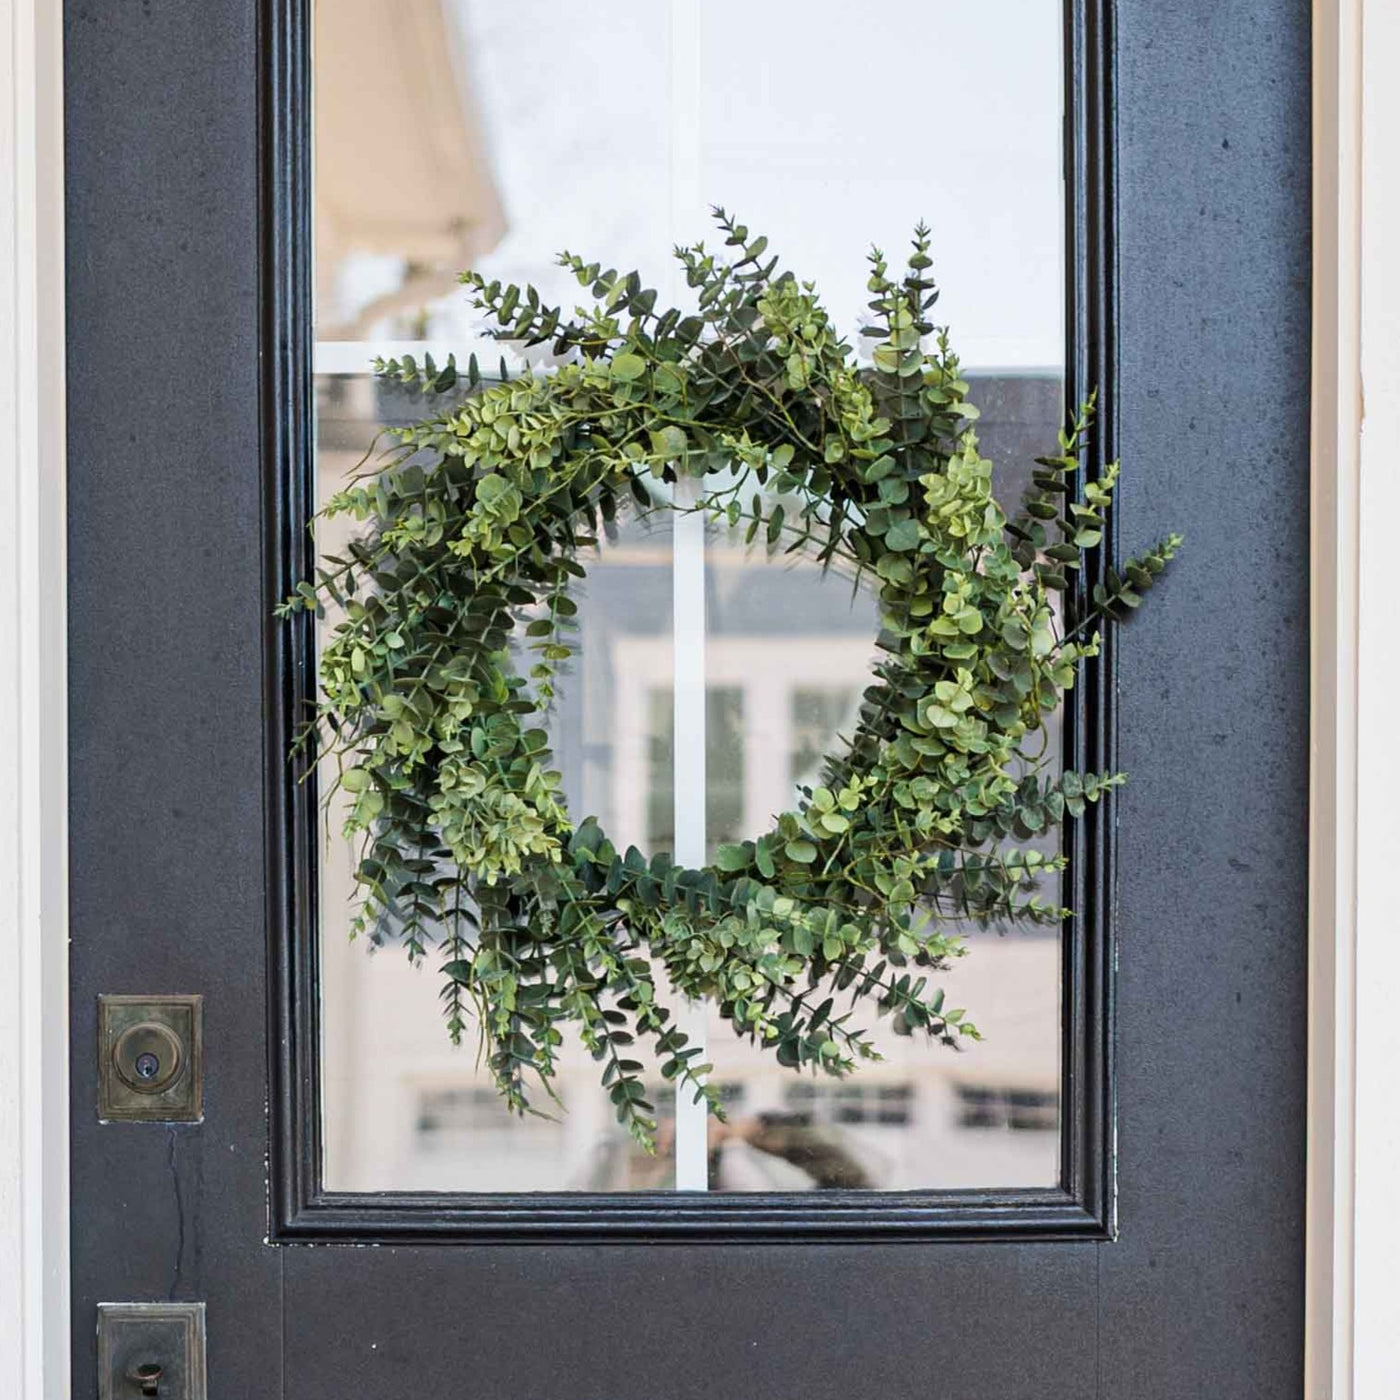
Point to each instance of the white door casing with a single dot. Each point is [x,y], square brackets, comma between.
[34,1339]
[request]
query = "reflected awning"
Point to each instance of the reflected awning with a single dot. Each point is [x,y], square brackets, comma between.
[401,163]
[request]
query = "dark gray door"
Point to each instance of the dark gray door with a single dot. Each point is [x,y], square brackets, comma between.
[1166,1259]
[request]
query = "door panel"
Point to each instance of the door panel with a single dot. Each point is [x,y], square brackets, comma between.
[1201,1289]
[833,1322]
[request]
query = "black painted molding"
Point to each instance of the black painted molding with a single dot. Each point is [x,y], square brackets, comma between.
[300,1209]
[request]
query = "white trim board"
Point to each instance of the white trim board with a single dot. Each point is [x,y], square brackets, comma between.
[1377,1037]
[34,1335]
[1353,1289]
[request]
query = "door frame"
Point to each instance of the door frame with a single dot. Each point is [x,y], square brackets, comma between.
[1081,1205]
[1354,1119]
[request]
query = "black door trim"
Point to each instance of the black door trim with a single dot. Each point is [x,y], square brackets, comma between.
[300,1210]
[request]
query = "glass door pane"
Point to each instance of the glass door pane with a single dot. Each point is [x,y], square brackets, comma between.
[455,133]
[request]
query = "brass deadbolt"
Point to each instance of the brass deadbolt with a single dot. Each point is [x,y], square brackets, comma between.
[150,1059]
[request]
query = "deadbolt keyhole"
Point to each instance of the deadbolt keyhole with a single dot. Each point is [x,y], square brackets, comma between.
[147,1057]
[147,1375]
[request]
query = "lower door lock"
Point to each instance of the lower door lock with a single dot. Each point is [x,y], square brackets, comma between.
[150,1349]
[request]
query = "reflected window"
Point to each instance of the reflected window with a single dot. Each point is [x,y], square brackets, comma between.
[1035,1109]
[724,770]
[890,1105]
[818,712]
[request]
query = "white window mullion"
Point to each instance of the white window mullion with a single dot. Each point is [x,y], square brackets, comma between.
[688,758]
[688,581]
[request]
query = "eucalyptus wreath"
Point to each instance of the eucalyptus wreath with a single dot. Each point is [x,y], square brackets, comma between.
[453,616]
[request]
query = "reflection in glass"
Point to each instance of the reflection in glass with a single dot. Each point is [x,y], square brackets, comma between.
[402,1108]
[798,646]
[607,128]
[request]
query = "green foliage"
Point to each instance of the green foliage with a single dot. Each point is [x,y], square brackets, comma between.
[475,525]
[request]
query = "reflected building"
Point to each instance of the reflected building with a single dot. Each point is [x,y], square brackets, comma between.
[788,652]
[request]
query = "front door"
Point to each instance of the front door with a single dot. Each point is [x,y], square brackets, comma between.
[1104,1195]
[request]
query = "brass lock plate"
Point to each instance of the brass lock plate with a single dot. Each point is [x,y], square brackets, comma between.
[150,1349]
[150,1059]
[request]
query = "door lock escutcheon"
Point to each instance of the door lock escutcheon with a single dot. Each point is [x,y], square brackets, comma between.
[150,1059]
[150,1349]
